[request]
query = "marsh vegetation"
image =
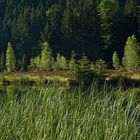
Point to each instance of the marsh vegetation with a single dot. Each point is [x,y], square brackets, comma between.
[56,113]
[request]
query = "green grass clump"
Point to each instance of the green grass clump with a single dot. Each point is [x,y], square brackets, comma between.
[55,113]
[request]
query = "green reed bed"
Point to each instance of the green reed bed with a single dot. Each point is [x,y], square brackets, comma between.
[60,114]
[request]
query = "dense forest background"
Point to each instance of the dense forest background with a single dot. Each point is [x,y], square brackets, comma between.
[96,28]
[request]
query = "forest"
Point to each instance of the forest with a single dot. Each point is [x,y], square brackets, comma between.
[96,28]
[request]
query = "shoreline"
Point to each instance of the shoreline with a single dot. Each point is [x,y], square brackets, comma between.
[64,78]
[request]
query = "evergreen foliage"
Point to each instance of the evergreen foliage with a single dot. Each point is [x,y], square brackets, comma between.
[21,64]
[82,72]
[10,58]
[116,61]
[107,10]
[61,63]
[131,59]
[2,62]
[32,64]
[95,27]
[46,57]
[100,66]
[72,62]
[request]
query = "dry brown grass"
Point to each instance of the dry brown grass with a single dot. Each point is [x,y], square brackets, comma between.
[112,74]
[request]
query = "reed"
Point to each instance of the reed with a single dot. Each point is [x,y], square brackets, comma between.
[60,114]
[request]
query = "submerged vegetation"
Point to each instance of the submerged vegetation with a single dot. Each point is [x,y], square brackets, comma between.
[56,113]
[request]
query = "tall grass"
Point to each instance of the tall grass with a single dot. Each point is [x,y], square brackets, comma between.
[59,114]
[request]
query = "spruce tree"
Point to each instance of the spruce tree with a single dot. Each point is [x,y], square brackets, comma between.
[61,63]
[57,66]
[83,72]
[70,20]
[38,63]
[2,62]
[64,65]
[107,10]
[10,58]
[100,66]
[116,61]
[131,12]
[35,64]
[53,25]
[131,59]
[32,64]
[21,64]
[46,57]
[72,62]
[138,22]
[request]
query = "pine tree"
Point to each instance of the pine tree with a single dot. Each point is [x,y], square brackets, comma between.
[131,12]
[72,62]
[131,59]
[116,61]
[2,62]
[100,66]
[64,65]
[84,64]
[88,30]
[107,9]
[21,64]
[10,58]
[138,22]
[46,57]
[70,20]
[57,63]
[53,24]
[82,72]
[61,63]
[38,63]
[32,64]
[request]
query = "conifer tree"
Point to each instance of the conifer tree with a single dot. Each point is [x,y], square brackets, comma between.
[35,63]
[46,57]
[116,61]
[72,62]
[131,59]
[138,22]
[53,25]
[57,63]
[38,63]
[21,64]
[2,62]
[131,12]
[83,73]
[61,63]
[32,64]
[107,9]
[100,66]
[10,58]
[70,19]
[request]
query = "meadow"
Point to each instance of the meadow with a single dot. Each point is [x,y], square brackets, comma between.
[54,113]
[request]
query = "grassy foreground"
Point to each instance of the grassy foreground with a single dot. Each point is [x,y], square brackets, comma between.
[58,114]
